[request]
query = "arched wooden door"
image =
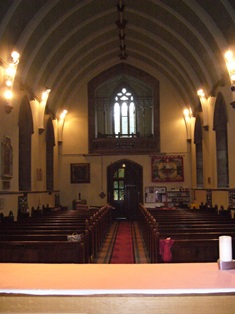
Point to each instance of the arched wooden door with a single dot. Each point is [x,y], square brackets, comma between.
[125,188]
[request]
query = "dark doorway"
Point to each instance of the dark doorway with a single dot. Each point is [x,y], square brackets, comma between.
[125,188]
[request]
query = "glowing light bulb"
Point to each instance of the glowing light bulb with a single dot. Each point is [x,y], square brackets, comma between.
[63,114]
[8,94]
[201,93]
[15,57]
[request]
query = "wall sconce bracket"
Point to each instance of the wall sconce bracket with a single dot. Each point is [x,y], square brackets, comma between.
[40,130]
[8,107]
[233,104]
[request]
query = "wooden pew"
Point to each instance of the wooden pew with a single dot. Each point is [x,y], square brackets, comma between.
[194,235]
[42,252]
[195,239]
[36,234]
[45,231]
[196,250]
[149,229]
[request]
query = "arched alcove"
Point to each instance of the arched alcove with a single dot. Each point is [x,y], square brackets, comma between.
[101,93]
[198,149]
[50,143]
[220,128]
[25,123]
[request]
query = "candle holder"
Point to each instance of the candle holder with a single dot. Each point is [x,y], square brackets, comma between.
[226,265]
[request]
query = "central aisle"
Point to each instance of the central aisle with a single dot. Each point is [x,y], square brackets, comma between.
[123,247]
[138,251]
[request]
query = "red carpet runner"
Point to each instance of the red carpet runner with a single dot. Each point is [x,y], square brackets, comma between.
[123,248]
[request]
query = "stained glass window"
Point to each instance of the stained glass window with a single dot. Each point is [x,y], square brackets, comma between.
[124,114]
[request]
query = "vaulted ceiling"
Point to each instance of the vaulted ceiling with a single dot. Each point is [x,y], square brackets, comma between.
[65,43]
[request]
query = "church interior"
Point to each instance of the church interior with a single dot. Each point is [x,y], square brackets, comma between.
[123,111]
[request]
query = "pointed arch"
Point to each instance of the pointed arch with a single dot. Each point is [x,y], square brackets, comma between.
[199,152]
[220,113]
[124,113]
[25,123]
[101,93]
[125,188]
[198,130]
[50,143]
[220,128]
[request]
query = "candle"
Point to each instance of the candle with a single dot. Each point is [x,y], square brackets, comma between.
[225,248]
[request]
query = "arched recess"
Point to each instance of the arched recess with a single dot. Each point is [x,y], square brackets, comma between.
[198,149]
[101,91]
[220,128]
[125,188]
[25,123]
[50,143]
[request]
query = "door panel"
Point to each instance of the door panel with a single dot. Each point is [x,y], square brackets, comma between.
[131,201]
[125,188]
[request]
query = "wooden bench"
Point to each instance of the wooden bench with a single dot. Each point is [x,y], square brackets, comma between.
[42,252]
[32,228]
[196,250]
[194,235]
[38,233]
[192,239]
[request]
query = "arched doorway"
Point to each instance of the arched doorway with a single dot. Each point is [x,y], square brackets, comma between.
[125,188]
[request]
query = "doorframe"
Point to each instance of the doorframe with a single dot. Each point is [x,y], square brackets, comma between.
[137,170]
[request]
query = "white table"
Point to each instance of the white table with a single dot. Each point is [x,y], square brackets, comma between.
[99,288]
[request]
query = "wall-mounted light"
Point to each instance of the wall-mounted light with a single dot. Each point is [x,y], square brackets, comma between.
[187,114]
[10,70]
[201,93]
[9,77]
[61,121]
[41,110]
[187,119]
[8,94]
[203,102]
[230,62]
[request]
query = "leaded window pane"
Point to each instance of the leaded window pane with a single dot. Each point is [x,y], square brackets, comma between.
[124,114]
[121,173]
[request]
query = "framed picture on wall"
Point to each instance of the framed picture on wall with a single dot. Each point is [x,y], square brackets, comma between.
[6,158]
[80,173]
[167,169]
